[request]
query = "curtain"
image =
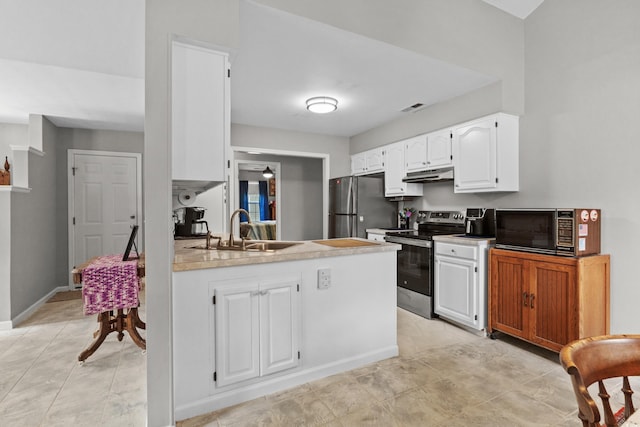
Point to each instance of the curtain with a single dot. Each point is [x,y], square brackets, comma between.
[264,201]
[244,199]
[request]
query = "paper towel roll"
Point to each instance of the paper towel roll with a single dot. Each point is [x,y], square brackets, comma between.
[186,198]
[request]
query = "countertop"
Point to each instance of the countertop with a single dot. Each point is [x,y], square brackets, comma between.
[387,230]
[465,240]
[186,258]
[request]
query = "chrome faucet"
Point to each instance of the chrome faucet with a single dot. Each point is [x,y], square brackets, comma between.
[233,215]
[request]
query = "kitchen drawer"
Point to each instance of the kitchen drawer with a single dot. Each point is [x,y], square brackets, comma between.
[458,251]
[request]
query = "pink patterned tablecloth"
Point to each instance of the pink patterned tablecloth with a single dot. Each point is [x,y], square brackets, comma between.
[110,284]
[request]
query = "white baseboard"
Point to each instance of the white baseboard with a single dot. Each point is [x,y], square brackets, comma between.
[29,311]
[273,385]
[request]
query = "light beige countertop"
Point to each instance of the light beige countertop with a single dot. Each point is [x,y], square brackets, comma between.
[186,258]
[465,240]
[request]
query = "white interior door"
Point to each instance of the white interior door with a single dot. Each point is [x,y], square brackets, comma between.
[105,203]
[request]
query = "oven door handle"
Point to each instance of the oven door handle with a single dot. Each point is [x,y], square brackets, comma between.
[410,242]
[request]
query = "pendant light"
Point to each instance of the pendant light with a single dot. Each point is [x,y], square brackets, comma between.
[267,173]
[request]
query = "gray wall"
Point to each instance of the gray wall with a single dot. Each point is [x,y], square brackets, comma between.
[300,211]
[10,134]
[576,144]
[33,227]
[82,139]
[276,139]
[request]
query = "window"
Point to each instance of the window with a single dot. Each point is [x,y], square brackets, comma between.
[253,197]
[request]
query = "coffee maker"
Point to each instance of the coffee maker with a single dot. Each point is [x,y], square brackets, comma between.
[480,222]
[189,222]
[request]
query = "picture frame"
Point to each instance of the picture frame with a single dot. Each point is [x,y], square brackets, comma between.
[272,187]
[131,244]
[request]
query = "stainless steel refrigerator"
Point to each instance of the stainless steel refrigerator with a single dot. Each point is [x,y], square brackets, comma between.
[357,203]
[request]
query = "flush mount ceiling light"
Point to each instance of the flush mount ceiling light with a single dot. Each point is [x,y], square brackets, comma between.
[267,173]
[322,104]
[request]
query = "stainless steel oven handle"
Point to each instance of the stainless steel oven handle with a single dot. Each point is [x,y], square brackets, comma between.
[411,242]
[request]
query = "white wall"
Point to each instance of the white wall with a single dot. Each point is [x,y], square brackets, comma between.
[212,21]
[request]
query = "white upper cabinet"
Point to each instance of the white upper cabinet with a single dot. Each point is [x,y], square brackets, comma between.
[485,155]
[415,154]
[368,162]
[428,151]
[439,149]
[394,171]
[199,112]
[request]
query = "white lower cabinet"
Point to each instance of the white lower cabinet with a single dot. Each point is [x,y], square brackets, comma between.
[460,281]
[256,328]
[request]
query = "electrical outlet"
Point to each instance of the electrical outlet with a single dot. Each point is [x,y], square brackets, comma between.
[324,278]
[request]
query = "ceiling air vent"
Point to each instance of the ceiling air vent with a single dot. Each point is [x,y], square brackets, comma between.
[413,107]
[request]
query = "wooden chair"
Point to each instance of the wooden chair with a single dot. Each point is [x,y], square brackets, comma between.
[596,359]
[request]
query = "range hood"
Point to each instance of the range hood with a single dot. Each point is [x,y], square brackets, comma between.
[433,175]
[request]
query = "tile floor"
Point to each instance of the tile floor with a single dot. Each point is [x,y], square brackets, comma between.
[42,383]
[444,376]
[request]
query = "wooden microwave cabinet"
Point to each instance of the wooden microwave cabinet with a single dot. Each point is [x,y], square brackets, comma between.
[548,300]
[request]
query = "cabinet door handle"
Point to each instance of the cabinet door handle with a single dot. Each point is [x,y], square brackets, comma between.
[525,296]
[533,296]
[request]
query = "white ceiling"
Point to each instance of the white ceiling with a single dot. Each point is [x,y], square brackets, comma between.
[81,63]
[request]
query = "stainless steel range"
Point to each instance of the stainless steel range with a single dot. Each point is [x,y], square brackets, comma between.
[415,259]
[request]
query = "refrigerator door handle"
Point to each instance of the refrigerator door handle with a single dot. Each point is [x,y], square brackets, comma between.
[350,205]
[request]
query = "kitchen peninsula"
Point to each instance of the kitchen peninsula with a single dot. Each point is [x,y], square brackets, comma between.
[252,322]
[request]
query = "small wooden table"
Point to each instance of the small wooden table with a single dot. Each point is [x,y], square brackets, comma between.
[119,320]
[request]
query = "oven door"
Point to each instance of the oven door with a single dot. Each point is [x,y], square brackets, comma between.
[415,264]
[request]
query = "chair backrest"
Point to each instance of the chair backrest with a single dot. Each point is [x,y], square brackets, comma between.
[595,359]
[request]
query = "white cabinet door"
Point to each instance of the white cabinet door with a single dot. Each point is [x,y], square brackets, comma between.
[485,155]
[415,153]
[475,155]
[279,326]
[455,293]
[375,160]
[237,328]
[376,237]
[394,172]
[256,327]
[368,162]
[199,112]
[439,149]
[358,164]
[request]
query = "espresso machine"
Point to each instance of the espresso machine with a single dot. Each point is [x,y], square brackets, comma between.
[189,222]
[480,222]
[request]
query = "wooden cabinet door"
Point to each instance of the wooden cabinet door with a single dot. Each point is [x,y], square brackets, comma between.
[279,322]
[552,304]
[509,294]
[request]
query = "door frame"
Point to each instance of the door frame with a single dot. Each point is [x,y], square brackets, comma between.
[71,199]
[326,168]
[236,194]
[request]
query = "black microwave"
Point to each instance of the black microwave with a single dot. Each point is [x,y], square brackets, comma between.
[569,232]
